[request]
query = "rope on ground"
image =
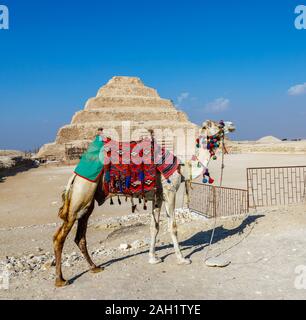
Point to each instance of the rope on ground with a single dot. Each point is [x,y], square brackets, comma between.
[215,219]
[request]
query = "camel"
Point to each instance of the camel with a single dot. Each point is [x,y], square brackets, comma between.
[79,201]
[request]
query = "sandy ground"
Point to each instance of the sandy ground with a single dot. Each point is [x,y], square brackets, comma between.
[264,249]
[270,145]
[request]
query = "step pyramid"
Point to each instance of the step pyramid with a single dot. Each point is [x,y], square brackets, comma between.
[123,102]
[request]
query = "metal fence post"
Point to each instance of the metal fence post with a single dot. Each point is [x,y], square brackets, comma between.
[214,202]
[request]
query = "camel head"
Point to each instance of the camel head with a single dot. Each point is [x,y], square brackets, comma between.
[211,128]
[210,140]
[213,132]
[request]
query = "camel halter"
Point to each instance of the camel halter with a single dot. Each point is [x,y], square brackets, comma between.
[212,144]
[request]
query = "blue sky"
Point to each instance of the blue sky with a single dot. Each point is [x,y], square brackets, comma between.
[232,60]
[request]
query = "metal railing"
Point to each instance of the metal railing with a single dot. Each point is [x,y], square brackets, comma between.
[273,186]
[74,153]
[214,201]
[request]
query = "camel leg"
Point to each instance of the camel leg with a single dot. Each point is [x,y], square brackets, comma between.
[58,242]
[80,239]
[170,205]
[154,228]
[134,206]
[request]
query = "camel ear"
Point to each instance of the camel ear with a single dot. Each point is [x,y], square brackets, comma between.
[206,124]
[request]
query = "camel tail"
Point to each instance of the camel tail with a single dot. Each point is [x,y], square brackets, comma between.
[66,196]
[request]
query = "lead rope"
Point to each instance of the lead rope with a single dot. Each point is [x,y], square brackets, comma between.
[215,218]
[215,213]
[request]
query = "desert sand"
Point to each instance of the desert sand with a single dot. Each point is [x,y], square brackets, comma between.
[269,145]
[264,249]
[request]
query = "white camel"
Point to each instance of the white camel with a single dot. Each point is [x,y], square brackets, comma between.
[79,201]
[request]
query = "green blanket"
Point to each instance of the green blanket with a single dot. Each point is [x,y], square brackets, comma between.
[91,164]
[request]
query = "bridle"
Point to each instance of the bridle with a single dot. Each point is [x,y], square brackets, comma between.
[211,143]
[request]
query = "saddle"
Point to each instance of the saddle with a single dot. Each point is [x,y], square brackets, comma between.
[131,168]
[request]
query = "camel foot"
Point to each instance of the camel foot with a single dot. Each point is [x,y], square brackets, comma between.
[96,269]
[155,260]
[183,261]
[60,282]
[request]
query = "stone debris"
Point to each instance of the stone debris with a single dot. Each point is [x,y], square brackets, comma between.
[10,159]
[138,244]
[34,263]
[125,246]
[184,215]
[6,162]
[107,226]
[118,222]
[44,261]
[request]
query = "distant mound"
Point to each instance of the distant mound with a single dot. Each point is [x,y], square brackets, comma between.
[268,139]
[13,159]
[11,153]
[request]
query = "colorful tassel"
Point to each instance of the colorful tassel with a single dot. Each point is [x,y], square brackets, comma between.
[141,176]
[128,181]
[107,176]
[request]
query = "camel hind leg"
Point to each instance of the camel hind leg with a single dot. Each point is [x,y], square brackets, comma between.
[58,242]
[77,199]
[80,238]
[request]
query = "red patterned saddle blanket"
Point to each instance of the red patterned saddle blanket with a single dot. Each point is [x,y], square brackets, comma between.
[131,167]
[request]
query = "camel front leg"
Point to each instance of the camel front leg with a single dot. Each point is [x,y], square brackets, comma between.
[154,228]
[169,196]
